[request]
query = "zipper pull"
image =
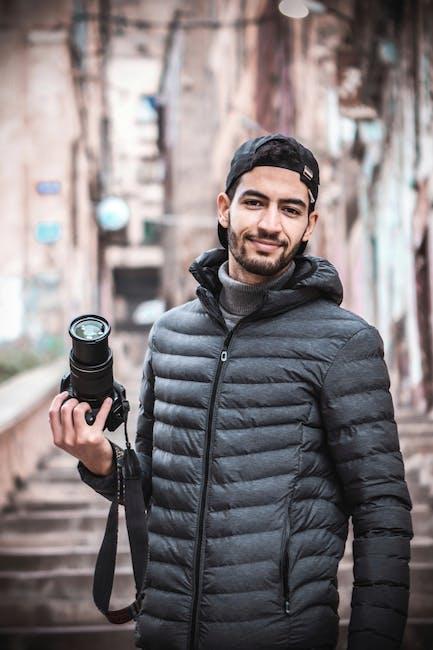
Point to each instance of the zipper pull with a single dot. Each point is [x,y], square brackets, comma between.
[224,355]
[286,606]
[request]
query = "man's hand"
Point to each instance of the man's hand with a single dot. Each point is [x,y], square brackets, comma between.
[72,433]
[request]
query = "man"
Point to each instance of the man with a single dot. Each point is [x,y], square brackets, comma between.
[265,422]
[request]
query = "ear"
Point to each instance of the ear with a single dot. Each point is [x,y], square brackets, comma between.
[223,205]
[312,220]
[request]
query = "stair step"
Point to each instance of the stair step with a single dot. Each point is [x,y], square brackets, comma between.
[60,528]
[48,558]
[61,539]
[422,549]
[61,596]
[62,582]
[414,430]
[422,519]
[90,519]
[57,474]
[39,495]
[57,611]
[90,637]
[57,538]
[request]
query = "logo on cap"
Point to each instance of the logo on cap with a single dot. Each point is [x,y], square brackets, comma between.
[308,173]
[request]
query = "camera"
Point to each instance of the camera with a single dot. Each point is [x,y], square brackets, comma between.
[91,370]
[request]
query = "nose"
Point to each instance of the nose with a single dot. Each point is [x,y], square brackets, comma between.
[270,220]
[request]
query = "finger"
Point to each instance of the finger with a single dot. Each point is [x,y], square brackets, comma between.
[103,413]
[54,416]
[68,430]
[78,414]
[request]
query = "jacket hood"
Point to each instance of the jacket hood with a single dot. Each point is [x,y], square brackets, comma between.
[313,278]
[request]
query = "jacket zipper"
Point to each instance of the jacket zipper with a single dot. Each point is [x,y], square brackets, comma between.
[203,496]
[285,556]
[285,573]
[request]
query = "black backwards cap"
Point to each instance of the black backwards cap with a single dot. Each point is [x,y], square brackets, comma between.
[299,159]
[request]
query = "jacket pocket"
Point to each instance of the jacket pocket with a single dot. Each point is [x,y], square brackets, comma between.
[284,568]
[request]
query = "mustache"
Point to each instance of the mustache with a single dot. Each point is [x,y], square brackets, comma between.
[267,239]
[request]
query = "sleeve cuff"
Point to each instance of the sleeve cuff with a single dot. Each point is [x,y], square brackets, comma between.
[104,485]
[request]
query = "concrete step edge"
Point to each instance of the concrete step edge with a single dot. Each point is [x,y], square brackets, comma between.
[66,629]
[48,551]
[57,573]
[36,515]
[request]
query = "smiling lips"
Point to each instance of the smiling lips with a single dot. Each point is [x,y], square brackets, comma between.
[265,246]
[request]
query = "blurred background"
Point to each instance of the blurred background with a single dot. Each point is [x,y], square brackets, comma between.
[118,122]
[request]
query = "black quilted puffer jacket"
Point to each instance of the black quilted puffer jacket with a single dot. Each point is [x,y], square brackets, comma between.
[257,444]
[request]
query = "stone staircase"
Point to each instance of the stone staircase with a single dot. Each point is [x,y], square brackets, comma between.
[416,443]
[50,535]
[48,547]
[51,532]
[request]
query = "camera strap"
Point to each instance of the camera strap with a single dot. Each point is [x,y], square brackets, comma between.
[136,523]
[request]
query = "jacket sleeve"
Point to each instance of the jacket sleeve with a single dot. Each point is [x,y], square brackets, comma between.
[107,485]
[358,416]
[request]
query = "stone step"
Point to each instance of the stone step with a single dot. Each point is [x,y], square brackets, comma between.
[90,637]
[412,445]
[49,558]
[49,612]
[58,527]
[419,493]
[39,495]
[422,549]
[422,519]
[60,596]
[60,582]
[11,540]
[412,429]
[57,475]
[58,459]
[91,519]
[17,540]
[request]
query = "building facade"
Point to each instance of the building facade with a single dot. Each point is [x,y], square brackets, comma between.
[50,137]
[352,81]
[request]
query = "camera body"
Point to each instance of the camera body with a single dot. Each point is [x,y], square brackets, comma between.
[91,371]
[119,408]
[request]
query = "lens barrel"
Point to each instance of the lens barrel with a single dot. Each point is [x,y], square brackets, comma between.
[89,335]
[91,360]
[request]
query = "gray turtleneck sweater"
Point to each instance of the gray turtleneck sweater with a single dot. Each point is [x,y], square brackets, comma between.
[237,299]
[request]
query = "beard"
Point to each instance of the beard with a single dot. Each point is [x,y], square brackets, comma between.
[258,262]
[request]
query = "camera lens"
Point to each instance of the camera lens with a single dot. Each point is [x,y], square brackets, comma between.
[90,329]
[91,360]
[89,335]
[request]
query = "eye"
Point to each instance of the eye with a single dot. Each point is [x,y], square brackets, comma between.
[252,202]
[291,210]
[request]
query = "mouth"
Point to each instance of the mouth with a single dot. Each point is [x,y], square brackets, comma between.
[262,244]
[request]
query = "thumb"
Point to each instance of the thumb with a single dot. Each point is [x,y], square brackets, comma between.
[103,413]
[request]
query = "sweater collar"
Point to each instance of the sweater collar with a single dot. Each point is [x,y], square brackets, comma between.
[241,298]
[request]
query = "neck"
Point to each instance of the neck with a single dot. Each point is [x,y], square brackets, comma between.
[240,298]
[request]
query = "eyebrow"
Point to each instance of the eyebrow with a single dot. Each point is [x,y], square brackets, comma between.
[259,195]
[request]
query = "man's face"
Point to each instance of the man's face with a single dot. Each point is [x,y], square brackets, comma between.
[267,220]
